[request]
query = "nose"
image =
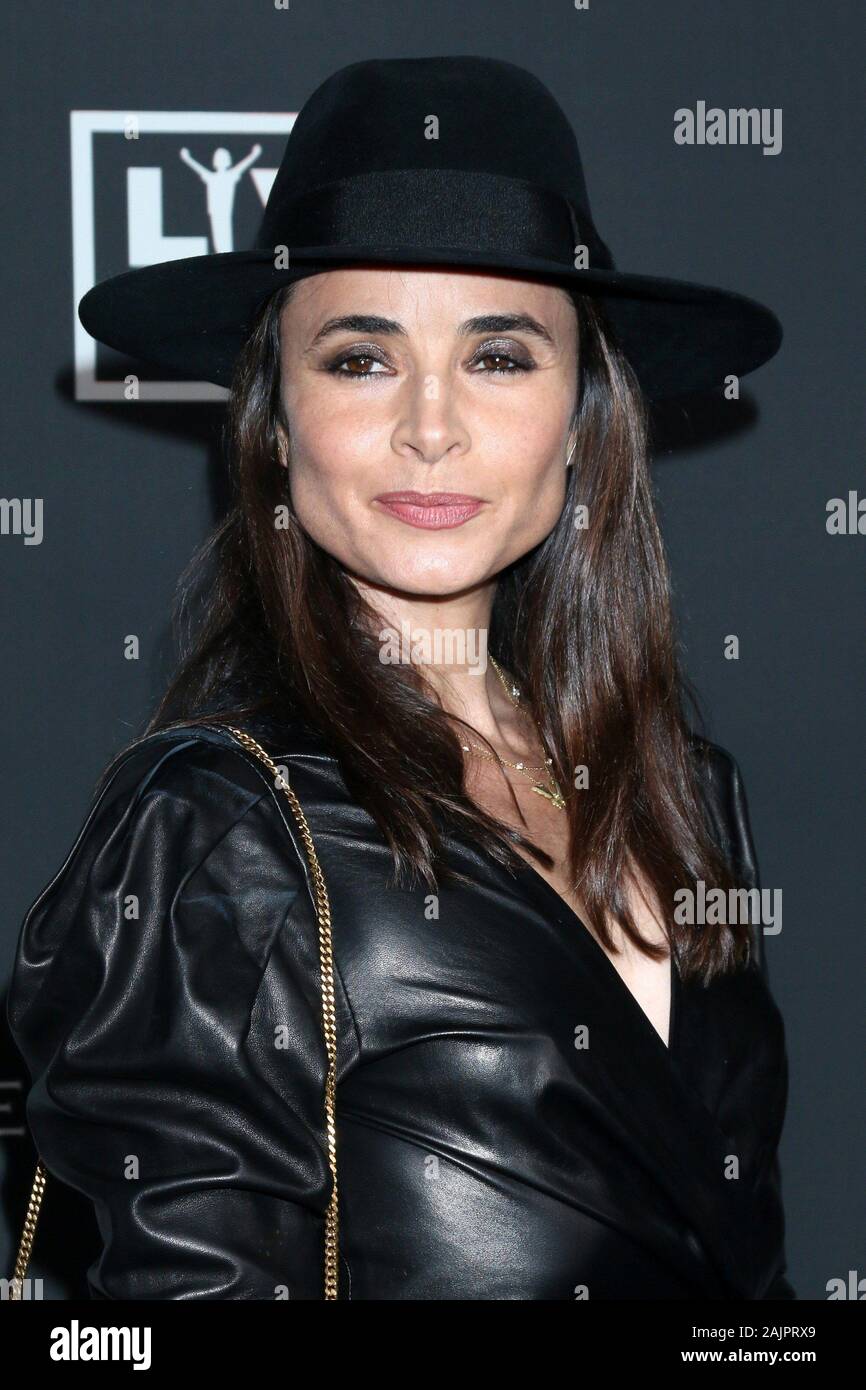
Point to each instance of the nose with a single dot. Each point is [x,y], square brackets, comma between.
[430,425]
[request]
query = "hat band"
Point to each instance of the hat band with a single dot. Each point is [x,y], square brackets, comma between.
[408,209]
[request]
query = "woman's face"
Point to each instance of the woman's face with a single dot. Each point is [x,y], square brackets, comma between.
[444,381]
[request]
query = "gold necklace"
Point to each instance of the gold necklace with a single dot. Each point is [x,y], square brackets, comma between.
[551,792]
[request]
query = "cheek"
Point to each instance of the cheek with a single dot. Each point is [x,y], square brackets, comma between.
[535,502]
[527,464]
[522,432]
[333,447]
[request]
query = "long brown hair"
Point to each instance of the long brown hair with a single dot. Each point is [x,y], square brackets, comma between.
[583,622]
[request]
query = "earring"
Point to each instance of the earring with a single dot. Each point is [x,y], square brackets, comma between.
[570,452]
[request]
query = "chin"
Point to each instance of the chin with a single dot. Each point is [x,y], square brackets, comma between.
[436,585]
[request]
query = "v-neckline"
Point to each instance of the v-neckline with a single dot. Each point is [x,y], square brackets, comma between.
[667,1112]
[534,879]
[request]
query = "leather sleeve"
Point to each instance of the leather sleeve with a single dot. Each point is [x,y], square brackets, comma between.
[166,999]
[728,811]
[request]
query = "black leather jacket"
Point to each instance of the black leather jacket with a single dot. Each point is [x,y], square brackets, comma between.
[166,999]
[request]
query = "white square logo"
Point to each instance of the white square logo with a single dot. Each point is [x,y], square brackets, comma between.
[155,186]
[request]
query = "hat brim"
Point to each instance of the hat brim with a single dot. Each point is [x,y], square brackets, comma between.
[192,316]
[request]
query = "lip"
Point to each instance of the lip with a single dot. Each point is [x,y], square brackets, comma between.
[432,511]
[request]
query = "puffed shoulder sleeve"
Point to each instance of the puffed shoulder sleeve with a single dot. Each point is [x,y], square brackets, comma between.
[728,811]
[166,998]
[727,807]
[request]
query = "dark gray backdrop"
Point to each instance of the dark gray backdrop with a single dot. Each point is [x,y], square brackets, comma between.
[129,489]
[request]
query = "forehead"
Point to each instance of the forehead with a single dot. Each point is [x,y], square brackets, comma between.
[415,293]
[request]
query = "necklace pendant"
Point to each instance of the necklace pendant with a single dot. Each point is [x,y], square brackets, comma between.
[556,797]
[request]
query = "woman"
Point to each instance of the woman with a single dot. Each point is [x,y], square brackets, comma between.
[551,1079]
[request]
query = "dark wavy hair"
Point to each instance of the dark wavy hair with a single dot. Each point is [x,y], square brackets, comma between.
[276,628]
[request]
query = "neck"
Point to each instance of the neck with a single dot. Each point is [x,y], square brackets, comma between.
[446,638]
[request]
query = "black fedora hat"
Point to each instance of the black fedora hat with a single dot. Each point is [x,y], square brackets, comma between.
[460,161]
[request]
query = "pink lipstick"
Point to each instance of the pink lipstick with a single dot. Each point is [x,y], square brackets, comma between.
[432,511]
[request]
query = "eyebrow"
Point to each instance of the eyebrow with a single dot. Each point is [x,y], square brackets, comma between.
[482,323]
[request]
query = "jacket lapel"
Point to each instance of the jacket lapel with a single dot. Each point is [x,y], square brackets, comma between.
[655,1110]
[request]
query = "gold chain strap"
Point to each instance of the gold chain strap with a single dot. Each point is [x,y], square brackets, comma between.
[28,1232]
[329,1023]
[329,1012]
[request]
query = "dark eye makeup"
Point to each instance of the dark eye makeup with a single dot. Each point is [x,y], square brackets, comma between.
[518,360]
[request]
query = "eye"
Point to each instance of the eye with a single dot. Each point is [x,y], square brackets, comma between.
[343,365]
[514,362]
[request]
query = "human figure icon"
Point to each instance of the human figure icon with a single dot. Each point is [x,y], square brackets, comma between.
[221,182]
